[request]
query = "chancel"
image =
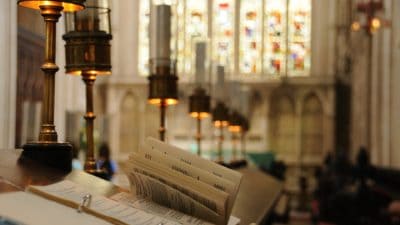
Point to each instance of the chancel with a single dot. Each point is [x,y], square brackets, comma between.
[286,112]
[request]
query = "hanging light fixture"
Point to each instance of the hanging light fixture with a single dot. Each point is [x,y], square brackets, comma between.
[369,20]
[163,87]
[47,149]
[220,120]
[87,48]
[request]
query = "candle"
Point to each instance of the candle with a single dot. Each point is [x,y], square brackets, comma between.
[235,92]
[220,92]
[88,19]
[160,31]
[200,60]
[220,76]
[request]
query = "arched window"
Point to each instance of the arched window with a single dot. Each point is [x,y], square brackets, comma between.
[283,126]
[312,126]
[253,38]
[129,117]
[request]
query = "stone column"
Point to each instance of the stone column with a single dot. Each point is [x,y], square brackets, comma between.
[8,72]
[125,21]
[394,89]
[323,38]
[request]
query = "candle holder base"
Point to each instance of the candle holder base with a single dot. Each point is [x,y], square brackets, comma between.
[56,155]
[221,162]
[235,164]
[99,173]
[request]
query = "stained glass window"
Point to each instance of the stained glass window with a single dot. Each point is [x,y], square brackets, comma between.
[275,37]
[143,47]
[223,31]
[196,20]
[299,37]
[250,33]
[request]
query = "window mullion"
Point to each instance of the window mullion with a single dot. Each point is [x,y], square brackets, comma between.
[236,41]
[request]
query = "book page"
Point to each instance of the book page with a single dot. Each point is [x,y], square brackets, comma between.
[28,209]
[187,170]
[194,160]
[70,194]
[148,187]
[204,164]
[207,195]
[155,209]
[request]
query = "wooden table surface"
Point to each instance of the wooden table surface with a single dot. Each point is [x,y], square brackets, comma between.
[257,194]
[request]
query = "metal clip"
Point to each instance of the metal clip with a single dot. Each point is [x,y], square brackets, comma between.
[85,202]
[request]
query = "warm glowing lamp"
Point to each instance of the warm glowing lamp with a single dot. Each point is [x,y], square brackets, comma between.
[67,5]
[235,126]
[87,48]
[199,108]
[163,87]
[245,128]
[220,119]
[47,149]
[369,9]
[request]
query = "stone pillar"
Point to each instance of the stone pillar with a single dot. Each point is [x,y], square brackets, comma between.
[359,92]
[394,128]
[125,24]
[8,72]
[323,38]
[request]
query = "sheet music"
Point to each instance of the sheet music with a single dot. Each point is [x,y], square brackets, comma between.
[72,192]
[153,208]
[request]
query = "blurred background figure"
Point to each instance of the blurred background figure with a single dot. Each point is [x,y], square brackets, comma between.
[105,162]
[76,163]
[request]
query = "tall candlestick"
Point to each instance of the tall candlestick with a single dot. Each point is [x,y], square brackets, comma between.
[160,31]
[201,51]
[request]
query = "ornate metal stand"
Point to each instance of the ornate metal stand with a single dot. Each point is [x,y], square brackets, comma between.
[47,150]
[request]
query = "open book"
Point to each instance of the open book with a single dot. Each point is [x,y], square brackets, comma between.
[66,203]
[180,180]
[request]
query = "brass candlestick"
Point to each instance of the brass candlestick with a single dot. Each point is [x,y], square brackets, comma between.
[198,135]
[47,149]
[244,125]
[235,128]
[163,89]
[234,147]
[245,129]
[220,120]
[163,110]
[88,54]
[220,145]
[90,165]
[90,162]
[199,108]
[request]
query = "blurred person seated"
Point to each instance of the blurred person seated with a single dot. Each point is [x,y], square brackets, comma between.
[105,162]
